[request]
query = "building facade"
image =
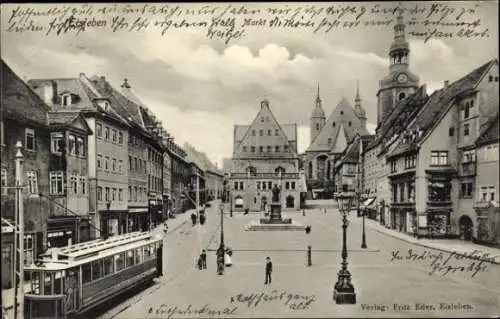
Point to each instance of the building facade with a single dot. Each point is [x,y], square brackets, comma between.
[329,138]
[264,155]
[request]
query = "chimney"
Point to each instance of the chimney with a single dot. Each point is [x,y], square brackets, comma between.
[125,84]
[446,83]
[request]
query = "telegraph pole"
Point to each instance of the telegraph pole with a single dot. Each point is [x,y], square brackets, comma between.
[198,197]
[19,232]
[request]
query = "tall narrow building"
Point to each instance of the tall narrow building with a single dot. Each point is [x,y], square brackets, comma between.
[318,118]
[400,82]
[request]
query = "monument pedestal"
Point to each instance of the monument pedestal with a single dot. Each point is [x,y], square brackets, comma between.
[275,221]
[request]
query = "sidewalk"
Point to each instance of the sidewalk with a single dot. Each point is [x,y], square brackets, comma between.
[460,247]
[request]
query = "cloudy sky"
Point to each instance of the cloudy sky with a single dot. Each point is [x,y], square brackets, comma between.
[200,88]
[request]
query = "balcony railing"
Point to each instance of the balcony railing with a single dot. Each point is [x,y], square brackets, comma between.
[264,176]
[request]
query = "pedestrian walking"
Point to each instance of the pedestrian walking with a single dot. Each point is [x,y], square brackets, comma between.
[203,259]
[269,270]
[200,262]
[324,211]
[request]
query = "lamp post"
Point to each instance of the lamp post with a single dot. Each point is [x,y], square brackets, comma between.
[363,236]
[230,203]
[344,290]
[220,251]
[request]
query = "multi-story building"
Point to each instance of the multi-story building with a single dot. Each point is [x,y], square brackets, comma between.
[107,147]
[486,206]
[427,163]
[179,176]
[329,138]
[23,118]
[264,155]
[197,177]
[68,184]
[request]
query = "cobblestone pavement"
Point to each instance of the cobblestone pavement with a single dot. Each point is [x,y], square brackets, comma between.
[393,278]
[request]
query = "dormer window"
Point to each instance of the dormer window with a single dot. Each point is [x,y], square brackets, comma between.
[66,100]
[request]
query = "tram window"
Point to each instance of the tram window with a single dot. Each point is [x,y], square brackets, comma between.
[120,261]
[130,258]
[47,283]
[138,255]
[97,269]
[152,247]
[58,283]
[108,266]
[35,283]
[86,273]
[147,253]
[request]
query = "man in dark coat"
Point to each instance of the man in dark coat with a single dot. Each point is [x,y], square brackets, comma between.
[203,259]
[269,270]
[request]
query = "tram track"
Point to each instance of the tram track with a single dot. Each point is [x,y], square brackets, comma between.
[160,282]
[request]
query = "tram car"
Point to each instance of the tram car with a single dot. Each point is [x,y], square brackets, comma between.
[71,281]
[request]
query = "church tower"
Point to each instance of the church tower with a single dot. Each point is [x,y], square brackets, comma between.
[400,82]
[359,110]
[318,118]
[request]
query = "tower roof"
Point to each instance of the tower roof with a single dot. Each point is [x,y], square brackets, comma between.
[318,109]
[399,42]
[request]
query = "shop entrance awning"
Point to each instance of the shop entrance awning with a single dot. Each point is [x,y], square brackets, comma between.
[369,203]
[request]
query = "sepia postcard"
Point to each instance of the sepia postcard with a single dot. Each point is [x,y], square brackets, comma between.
[250,160]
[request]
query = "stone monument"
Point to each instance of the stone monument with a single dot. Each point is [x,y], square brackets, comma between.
[275,217]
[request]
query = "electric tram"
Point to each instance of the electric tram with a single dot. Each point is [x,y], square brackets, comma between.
[70,281]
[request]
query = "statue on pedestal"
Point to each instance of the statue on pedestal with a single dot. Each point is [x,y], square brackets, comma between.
[276,193]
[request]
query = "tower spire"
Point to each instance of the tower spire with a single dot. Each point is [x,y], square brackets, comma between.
[318,99]
[357,99]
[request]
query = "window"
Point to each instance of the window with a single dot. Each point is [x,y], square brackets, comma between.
[130,193]
[490,78]
[439,157]
[491,189]
[253,132]
[242,186]
[80,146]
[99,161]
[120,138]
[269,148]
[286,148]
[277,148]
[130,258]
[258,185]
[107,194]
[32,182]
[83,185]
[2,142]
[120,166]
[56,183]
[71,144]
[261,149]
[451,131]
[439,191]
[268,132]
[106,163]
[262,119]
[466,190]
[341,112]
[317,126]
[113,135]
[99,193]
[468,156]
[120,261]
[393,166]
[276,132]
[129,163]
[3,181]
[136,164]
[402,193]
[270,185]
[329,141]
[114,195]
[349,123]
[66,100]
[261,132]
[410,161]
[74,183]
[135,194]
[99,129]
[466,129]
[244,148]
[113,165]
[333,124]
[293,185]
[253,149]
[466,110]
[56,142]
[287,185]
[29,139]
[402,95]
[106,133]
[120,194]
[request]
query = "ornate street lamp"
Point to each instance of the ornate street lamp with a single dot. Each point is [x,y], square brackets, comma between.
[363,236]
[344,290]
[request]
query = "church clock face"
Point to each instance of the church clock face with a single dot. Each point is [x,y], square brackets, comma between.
[402,78]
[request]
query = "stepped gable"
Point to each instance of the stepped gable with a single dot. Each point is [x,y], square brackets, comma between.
[438,104]
[265,120]
[19,101]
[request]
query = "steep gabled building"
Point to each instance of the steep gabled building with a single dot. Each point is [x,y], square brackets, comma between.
[264,155]
[328,141]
